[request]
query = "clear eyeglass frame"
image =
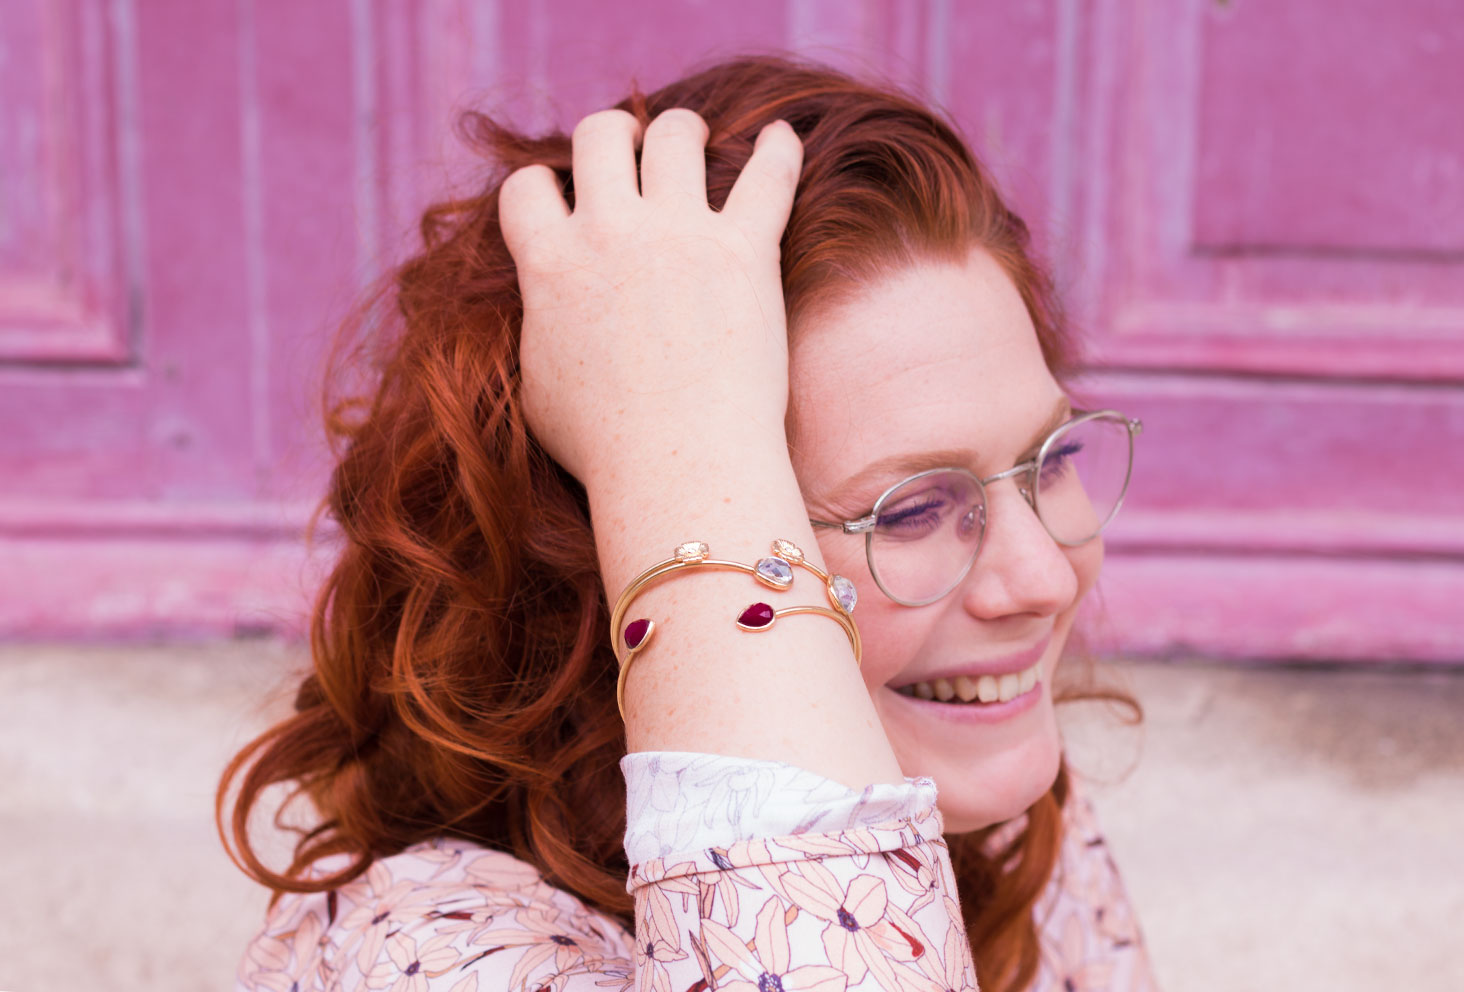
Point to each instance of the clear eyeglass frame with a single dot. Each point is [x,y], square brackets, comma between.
[1030,492]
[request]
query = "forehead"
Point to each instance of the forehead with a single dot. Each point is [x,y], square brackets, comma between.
[937,355]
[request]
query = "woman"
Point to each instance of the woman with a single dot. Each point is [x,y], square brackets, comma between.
[766,314]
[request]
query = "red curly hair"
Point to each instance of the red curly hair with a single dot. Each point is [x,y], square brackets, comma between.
[463,680]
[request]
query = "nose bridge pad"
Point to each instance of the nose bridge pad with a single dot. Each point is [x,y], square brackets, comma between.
[1025,486]
[979,523]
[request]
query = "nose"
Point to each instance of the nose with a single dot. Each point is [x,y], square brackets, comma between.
[1021,569]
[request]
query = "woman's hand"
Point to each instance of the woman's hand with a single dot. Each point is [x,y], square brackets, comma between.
[651,322]
[654,367]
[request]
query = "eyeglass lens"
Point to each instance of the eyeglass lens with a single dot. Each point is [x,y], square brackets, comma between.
[928,531]
[1082,478]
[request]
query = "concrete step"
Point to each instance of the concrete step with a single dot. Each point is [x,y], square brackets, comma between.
[1278,828]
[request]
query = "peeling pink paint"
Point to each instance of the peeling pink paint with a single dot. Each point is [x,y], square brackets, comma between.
[1255,210]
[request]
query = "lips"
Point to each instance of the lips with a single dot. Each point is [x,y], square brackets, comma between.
[993,681]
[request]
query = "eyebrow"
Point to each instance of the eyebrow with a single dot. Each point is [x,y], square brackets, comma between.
[899,466]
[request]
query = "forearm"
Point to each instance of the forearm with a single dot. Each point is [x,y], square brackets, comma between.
[654,364]
[791,694]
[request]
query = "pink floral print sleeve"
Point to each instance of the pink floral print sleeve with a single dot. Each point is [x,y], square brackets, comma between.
[748,876]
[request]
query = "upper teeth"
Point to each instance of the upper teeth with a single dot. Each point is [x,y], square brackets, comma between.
[987,688]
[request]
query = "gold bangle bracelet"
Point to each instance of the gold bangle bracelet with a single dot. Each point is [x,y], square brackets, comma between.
[774,571]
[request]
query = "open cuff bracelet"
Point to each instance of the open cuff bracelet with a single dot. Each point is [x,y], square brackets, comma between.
[774,571]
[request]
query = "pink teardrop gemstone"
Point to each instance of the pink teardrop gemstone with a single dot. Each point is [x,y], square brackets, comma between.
[635,632]
[756,615]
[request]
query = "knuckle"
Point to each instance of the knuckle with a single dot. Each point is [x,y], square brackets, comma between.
[602,121]
[790,171]
[680,120]
[775,172]
[785,164]
[522,179]
[782,143]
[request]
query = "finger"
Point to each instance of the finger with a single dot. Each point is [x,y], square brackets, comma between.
[762,197]
[529,202]
[674,155]
[603,157]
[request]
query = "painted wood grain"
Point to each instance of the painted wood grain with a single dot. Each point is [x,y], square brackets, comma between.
[1255,212]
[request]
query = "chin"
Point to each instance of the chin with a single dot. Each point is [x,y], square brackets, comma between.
[982,789]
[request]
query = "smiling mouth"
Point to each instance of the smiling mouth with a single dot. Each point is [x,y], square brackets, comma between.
[964,690]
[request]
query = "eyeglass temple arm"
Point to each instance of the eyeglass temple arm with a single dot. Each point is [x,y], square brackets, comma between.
[863,524]
[848,526]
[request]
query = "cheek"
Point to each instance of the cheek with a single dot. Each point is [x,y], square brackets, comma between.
[890,638]
[1087,562]
[883,625]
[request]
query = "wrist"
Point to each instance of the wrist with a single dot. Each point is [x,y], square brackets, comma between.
[663,458]
[737,506]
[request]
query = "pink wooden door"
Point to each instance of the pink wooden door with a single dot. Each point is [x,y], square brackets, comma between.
[1256,211]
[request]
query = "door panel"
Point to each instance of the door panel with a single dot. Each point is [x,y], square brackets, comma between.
[1255,213]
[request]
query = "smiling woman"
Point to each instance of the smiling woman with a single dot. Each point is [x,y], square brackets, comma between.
[995,600]
[670,334]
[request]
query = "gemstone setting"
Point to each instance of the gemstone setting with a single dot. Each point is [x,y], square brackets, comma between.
[692,551]
[758,616]
[774,572]
[787,550]
[637,632]
[842,593]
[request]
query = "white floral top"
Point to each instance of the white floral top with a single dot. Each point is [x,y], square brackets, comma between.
[748,876]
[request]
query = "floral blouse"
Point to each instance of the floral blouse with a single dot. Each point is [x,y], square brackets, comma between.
[748,876]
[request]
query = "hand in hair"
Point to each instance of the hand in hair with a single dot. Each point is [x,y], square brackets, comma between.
[650,320]
[654,360]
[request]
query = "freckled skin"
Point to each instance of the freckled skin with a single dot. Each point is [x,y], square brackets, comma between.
[944,355]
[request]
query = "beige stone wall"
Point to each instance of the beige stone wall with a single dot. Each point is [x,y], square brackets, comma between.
[1278,829]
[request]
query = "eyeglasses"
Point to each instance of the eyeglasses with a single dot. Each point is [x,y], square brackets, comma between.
[925,532]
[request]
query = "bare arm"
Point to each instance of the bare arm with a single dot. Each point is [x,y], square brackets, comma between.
[655,369]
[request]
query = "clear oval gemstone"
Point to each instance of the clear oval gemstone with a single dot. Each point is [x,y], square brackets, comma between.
[692,551]
[843,592]
[775,572]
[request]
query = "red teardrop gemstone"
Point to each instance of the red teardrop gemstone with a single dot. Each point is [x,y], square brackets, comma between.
[635,632]
[756,615]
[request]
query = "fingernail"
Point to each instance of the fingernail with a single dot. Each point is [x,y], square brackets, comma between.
[769,126]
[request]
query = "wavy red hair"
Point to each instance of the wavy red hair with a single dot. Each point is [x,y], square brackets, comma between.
[463,682]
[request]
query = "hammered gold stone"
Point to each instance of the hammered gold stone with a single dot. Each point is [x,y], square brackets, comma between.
[692,551]
[787,550]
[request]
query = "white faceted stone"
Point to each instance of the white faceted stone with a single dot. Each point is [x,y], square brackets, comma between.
[845,595]
[775,572]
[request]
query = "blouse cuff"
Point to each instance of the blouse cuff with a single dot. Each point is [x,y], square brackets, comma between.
[683,801]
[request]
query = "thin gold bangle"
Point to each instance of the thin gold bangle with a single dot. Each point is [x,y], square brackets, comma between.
[774,571]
